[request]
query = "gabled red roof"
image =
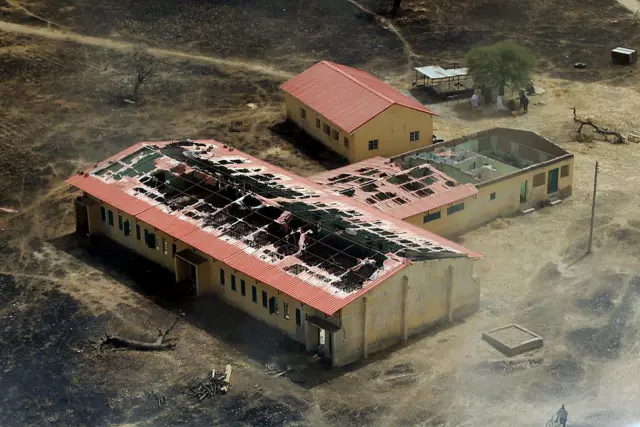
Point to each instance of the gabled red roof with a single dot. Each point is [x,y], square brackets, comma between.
[346,96]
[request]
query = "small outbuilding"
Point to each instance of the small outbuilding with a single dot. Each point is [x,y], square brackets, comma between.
[624,56]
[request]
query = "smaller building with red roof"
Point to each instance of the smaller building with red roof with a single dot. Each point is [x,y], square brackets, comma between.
[355,114]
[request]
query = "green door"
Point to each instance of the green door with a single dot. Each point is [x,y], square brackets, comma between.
[523,192]
[552,181]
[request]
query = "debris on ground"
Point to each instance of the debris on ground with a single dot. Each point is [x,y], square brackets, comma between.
[238,126]
[276,371]
[633,137]
[213,385]
[161,398]
[314,359]
[8,210]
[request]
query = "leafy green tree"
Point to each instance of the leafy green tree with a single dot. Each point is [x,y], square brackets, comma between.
[501,65]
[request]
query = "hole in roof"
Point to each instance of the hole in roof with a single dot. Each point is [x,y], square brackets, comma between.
[420,172]
[413,186]
[369,187]
[399,179]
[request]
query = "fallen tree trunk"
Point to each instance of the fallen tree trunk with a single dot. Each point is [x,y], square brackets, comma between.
[598,129]
[119,342]
[160,344]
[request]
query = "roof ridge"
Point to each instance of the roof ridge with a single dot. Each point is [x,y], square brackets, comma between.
[334,67]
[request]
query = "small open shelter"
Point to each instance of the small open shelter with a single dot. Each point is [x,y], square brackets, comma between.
[443,81]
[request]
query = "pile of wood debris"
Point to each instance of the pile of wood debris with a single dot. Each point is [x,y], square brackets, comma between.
[212,385]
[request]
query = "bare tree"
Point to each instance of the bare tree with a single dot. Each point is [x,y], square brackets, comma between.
[145,66]
[395,8]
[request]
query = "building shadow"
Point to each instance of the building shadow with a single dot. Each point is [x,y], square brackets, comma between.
[257,340]
[307,145]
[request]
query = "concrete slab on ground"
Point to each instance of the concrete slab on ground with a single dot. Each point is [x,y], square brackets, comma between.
[512,340]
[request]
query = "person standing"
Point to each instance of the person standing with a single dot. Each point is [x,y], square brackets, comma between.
[524,101]
[475,100]
[562,416]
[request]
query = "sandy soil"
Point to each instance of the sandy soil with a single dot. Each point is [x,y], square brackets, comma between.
[66,68]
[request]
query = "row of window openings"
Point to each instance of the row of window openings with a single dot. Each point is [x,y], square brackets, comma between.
[152,242]
[150,239]
[538,180]
[450,210]
[270,303]
[373,144]
[327,129]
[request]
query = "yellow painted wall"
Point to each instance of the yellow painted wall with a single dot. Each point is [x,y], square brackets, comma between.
[427,296]
[480,209]
[156,255]
[209,275]
[256,309]
[391,127]
[293,108]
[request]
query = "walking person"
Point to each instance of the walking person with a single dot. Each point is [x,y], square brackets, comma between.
[562,416]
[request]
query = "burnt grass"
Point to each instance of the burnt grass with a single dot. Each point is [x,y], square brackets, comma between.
[606,342]
[61,108]
[294,34]
[44,380]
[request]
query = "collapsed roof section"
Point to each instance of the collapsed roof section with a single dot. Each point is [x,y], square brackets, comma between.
[401,193]
[322,249]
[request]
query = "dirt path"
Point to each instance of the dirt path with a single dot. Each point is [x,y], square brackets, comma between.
[125,46]
[31,14]
[389,25]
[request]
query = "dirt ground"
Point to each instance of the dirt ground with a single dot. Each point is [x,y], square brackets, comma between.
[66,68]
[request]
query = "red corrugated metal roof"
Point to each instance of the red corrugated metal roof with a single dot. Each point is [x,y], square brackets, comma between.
[378,170]
[166,222]
[453,195]
[346,96]
[311,291]
[112,194]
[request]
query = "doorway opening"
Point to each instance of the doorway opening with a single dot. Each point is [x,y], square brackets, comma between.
[322,338]
[82,217]
[188,264]
[523,192]
[552,181]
